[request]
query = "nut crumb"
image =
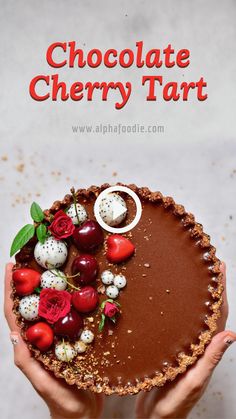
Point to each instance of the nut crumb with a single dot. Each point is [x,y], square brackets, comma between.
[146,265]
[129,331]
[90,319]
[101,289]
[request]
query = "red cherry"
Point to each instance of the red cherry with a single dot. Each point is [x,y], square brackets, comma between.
[85,300]
[119,248]
[26,280]
[69,326]
[87,266]
[41,335]
[88,236]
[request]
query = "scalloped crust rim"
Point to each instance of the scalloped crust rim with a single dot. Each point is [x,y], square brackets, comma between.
[169,373]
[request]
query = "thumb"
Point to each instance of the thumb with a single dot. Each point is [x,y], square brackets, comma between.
[27,364]
[214,352]
[21,352]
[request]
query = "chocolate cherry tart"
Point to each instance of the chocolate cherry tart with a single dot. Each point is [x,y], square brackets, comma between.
[116,313]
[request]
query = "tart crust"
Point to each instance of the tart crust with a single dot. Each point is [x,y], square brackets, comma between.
[184,360]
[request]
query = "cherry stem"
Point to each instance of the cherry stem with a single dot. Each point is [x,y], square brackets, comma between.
[72,286]
[74,200]
[73,276]
[65,277]
[64,347]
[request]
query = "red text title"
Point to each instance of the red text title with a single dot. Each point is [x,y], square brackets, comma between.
[67,54]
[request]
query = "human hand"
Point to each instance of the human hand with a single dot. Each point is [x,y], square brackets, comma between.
[64,401]
[176,399]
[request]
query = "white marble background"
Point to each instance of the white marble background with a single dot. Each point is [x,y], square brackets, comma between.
[194,160]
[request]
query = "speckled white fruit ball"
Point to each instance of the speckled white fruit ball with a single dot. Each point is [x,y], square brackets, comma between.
[82,214]
[64,351]
[112,291]
[29,306]
[107,277]
[87,336]
[80,346]
[53,279]
[51,254]
[119,281]
[108,207]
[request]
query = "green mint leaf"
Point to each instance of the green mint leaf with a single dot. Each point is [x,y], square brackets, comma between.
[113,319]
[102,322]
[22,237]
[103,305]
[38,290]
[41,232]
[36,212]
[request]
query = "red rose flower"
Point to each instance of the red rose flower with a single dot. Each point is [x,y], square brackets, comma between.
[110,309]
[62,226]
[54,304]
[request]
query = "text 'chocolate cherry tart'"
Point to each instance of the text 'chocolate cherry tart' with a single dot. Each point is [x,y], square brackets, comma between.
[115,313]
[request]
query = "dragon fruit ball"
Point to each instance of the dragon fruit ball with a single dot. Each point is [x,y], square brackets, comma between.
[54,279]
[51,254]
[78,214]
[64,351]
[108,206]
[28,307]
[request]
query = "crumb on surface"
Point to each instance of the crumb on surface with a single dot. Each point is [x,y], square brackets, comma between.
[20,167]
